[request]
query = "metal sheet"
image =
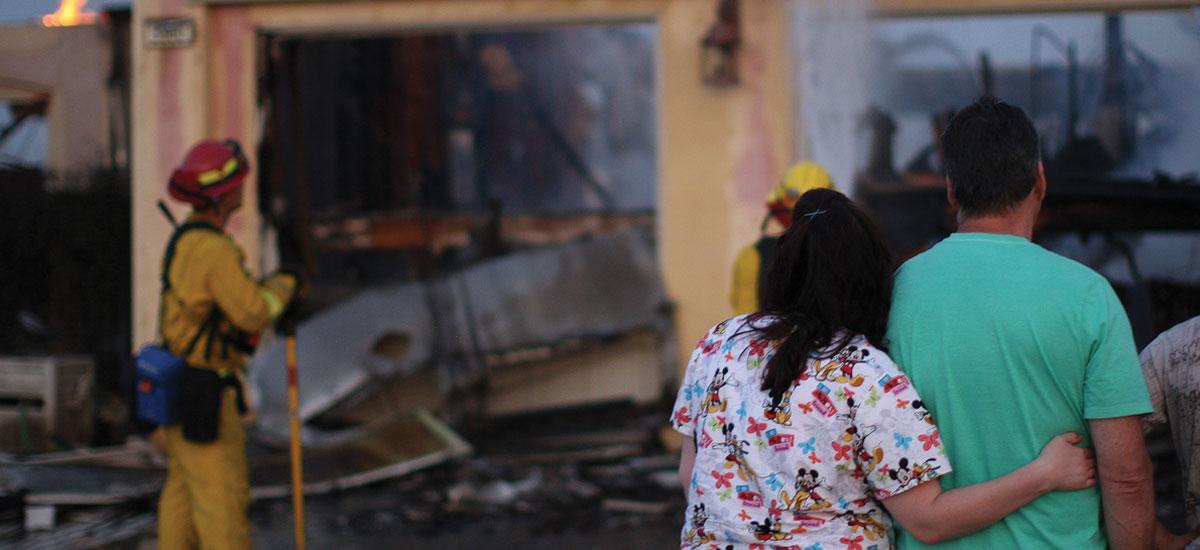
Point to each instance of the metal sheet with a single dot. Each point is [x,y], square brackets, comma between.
[589,289]
[335,356]
[79,484]
[600,287]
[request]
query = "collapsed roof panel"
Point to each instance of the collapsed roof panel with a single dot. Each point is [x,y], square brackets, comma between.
[583,290]
[337,355]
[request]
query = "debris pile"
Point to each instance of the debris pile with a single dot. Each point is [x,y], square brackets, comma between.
[537,480]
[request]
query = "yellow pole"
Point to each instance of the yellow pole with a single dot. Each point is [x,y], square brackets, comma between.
[294,417]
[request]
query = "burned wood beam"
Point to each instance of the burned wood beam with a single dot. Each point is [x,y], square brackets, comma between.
[437,233]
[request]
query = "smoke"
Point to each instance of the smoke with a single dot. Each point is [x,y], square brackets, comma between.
[832,47]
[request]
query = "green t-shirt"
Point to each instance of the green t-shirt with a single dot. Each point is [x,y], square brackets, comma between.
[1010,345]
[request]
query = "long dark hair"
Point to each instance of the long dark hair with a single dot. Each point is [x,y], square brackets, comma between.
[831,279]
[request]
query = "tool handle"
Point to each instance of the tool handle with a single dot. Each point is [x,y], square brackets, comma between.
[294,420]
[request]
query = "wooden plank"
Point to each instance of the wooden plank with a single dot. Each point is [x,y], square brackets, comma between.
[437,232]
[400,446]
[629,368]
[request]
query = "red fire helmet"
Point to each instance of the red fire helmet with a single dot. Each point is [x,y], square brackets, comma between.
[210,169]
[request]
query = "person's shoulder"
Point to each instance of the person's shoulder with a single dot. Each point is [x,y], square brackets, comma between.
[1181,335]
[211,243]
[918,261]
[731,336]
[1066,269]
[933,259]
[1188,328]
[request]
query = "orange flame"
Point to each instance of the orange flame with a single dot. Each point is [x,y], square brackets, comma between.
[70,12]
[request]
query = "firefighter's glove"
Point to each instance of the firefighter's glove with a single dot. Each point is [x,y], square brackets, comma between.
[301,282]
[279,290]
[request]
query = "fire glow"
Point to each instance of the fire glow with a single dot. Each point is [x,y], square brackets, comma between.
[70,12]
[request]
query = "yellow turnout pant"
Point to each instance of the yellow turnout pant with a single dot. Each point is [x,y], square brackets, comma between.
[203,504]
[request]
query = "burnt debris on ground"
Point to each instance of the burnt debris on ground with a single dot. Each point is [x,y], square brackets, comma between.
[585,475]
[601,475]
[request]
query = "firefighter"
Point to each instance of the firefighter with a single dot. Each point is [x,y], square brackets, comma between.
[210,315]
[754,258]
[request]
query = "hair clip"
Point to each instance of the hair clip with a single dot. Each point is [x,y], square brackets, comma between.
[814,213]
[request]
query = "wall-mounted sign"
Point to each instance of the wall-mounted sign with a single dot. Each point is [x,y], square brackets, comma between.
[175,32]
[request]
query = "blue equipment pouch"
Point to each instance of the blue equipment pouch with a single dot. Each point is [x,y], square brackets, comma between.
[159,377]
[158,373]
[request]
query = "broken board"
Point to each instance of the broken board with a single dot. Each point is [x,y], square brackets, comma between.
[389,448]
[403,445]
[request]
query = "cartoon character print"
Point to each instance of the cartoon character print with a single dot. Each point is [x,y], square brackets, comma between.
[697,536]
[893,384]
[768,530]
[841,367]
[824,371]
[712,397]
[709,347]
[736,451]
[856,436]
[749,497]
[912,475]
[922,413]
[781,412]
[721,327]
[821,402]
[864,523]
[806,498]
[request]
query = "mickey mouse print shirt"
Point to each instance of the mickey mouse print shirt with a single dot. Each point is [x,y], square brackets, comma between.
[807,472]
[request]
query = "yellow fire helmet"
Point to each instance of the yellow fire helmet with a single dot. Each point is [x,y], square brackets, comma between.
[798,179]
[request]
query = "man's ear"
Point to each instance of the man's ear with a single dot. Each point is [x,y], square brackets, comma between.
[950,195]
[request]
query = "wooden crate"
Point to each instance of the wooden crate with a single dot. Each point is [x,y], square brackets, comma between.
[54,394]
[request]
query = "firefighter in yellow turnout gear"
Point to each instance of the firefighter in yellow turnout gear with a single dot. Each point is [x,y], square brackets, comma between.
[210,314]
[754,258]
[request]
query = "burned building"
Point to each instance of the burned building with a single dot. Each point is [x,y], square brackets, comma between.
[513,206]
[416,143]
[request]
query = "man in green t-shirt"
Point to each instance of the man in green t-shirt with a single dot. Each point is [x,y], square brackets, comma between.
[1010,345]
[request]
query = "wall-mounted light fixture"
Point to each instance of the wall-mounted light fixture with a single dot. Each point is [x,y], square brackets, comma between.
[718,48]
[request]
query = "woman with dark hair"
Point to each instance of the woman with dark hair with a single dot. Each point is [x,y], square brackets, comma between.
[800,431]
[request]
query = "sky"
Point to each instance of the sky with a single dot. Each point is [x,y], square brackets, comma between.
[28,11]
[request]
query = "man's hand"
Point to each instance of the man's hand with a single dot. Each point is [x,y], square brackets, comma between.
[300,280]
